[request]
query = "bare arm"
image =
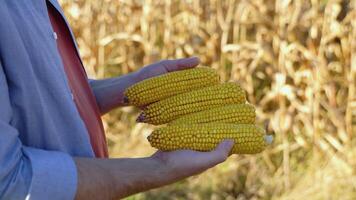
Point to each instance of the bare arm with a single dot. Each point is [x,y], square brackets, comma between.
[118,178]
[109,93]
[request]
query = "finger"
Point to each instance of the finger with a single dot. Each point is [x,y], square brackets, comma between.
[206,160]
[221,152]
[180,64]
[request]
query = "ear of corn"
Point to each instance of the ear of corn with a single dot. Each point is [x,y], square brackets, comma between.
[248,138]
[234,113]
[170,84]
[207,98]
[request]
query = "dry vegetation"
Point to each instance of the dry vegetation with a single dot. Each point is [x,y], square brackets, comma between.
[296,59]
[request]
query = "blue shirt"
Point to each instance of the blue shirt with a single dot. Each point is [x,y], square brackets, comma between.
[40,127]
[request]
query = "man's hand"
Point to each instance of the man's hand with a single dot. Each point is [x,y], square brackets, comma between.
[165,66]
[118,178]
[183,163]
[109,93]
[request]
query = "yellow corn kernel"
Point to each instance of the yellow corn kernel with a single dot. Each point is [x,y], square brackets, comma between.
[170,84]
[206,98]
[234,113]
[248,138]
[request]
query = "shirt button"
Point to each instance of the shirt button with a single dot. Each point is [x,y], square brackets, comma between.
[55,35]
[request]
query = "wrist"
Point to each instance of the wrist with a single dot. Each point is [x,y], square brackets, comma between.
[166,172]
[136,175]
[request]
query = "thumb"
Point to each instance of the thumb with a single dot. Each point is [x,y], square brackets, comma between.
[222,151]
[180,64]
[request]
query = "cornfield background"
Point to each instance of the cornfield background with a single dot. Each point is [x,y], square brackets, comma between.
[296,59]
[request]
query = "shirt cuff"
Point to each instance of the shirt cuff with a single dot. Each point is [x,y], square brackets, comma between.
[54,175]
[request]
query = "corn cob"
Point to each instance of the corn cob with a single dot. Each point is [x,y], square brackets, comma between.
[210,97]
[248,138]
[234,113]
[170,84]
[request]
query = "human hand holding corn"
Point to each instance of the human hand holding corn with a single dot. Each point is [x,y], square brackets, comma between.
[200,112]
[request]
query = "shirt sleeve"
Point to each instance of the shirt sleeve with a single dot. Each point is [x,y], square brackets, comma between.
[26,172]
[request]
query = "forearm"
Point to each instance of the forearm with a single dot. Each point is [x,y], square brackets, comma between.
[118,178]
[109,93]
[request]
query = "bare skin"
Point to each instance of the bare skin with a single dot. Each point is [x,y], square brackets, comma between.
[118,178]
[109,93]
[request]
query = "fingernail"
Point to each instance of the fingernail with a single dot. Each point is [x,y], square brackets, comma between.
[141,118]
[192,61]
[195,59]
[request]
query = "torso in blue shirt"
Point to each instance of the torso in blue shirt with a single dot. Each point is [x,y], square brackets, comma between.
[40,127]
[43,110]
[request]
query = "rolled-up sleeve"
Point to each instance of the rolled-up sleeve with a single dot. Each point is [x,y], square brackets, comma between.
[26,172]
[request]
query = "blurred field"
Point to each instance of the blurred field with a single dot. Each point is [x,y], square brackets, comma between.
[296,59]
